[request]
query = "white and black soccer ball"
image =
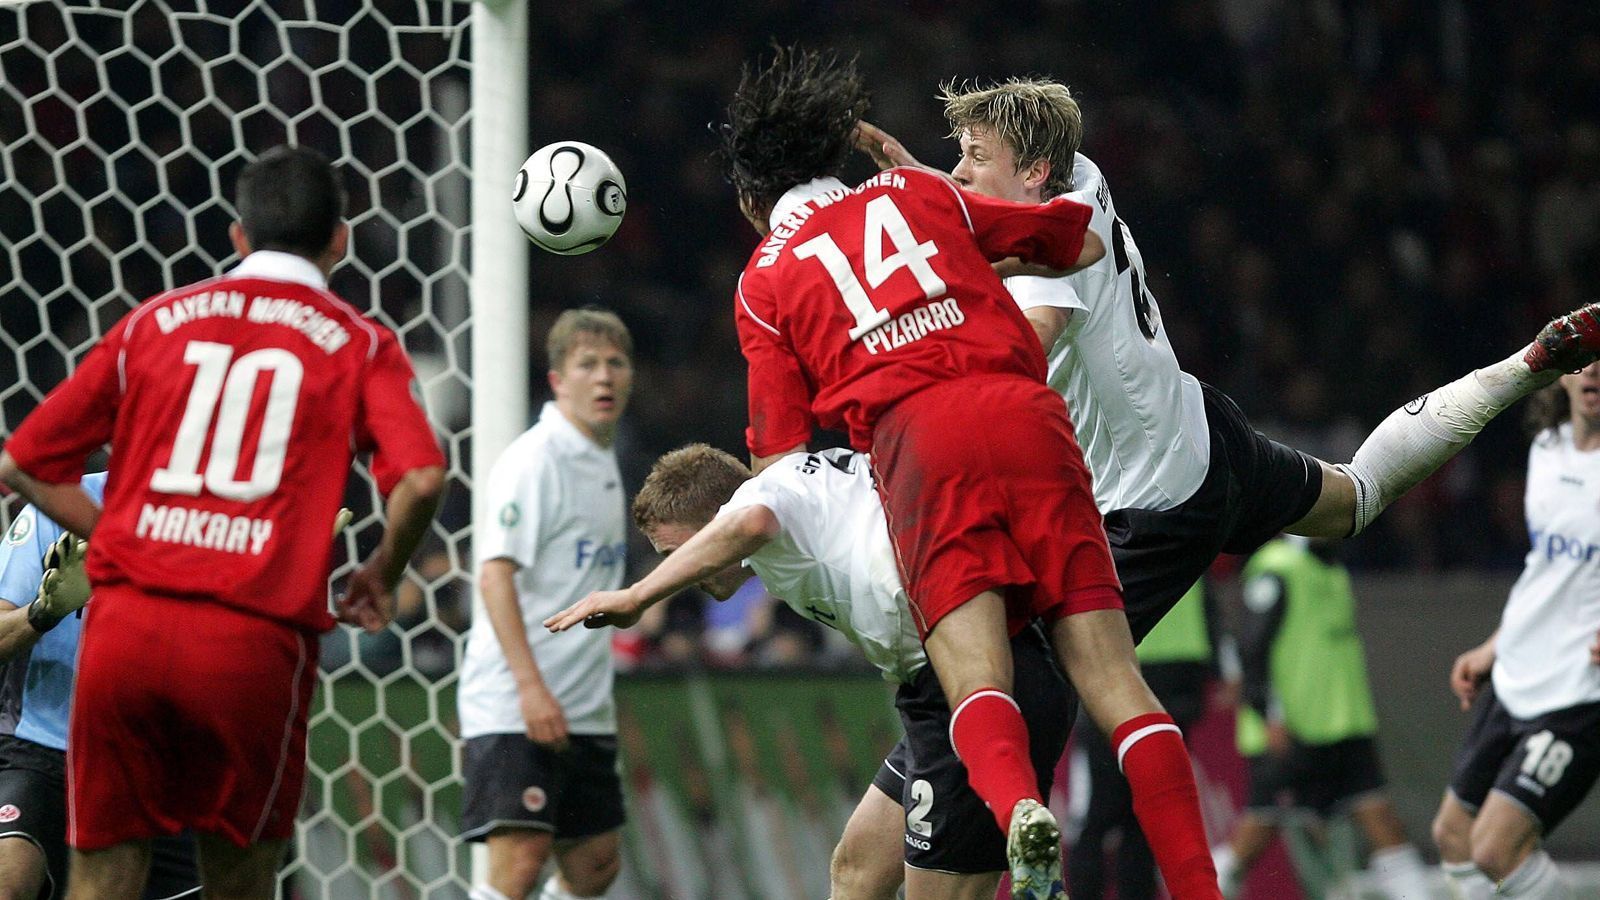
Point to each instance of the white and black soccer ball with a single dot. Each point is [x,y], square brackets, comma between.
[569,197]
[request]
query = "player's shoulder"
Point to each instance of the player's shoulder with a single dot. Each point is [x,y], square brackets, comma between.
[1088,186]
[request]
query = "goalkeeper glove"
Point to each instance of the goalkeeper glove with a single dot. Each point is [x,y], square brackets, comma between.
[64,589]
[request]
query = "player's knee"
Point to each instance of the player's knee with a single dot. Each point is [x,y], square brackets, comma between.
[594,875]
[854,874]
[1452,836]
[1496,857]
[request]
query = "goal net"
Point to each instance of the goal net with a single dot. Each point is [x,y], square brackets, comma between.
[123,125]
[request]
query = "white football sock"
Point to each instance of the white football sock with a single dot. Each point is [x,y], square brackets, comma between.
[1400,873]
[554,891]
[1466,881]
[1536,878]
[1227,865]
[484,892]
[1416,439]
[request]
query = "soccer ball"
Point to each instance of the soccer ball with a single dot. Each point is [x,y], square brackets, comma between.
[569,197]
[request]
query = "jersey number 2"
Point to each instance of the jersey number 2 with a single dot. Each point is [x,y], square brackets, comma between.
[882,218]
[234,385]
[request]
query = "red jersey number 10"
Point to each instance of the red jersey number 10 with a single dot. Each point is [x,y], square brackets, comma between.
[234,385]
[882,218]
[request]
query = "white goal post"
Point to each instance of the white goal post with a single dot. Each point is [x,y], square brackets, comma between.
[123,124]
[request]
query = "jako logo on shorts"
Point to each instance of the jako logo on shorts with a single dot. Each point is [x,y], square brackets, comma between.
[1552,545]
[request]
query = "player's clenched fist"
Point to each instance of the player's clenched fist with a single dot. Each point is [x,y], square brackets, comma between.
[599,609]
[1470,671]
[368,601]
[546,724]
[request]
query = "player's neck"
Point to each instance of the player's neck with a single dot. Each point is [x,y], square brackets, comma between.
[1585,434]
[600,435]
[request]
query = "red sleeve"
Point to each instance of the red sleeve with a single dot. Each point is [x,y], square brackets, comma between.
[391,423]
[1050,234]
[75,419]
[779,394]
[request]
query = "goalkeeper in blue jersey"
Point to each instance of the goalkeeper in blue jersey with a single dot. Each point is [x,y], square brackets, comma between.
[42,592]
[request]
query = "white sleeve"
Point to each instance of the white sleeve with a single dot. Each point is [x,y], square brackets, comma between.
[523,496]
[1031,291]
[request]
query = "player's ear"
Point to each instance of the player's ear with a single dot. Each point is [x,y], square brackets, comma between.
[241,243]
[339,245]
[1037,174]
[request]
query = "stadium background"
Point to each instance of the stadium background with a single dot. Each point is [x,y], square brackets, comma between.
[1341,204]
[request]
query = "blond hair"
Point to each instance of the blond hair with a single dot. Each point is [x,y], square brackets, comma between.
[687,487]
[1036,117]
[591,321]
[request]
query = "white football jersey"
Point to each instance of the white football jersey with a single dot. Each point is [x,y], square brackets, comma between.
[556,508]
[833,563]
[1139,418]
[1542,653]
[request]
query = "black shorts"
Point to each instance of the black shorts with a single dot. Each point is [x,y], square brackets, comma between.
[1324,778]
[948,829]
[1546,765]
[513,782]
[33,807]
[1254,488]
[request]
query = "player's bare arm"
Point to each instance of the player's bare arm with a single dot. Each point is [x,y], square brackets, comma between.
[67,504]
[1049,322]
[368,602]
[723,543]
[1471,670]
[16,635]
[542,718]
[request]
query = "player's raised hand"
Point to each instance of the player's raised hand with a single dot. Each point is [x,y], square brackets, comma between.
[542,717]
[367,602]
[1594,651]
[886,150]
[1470,671]
[599,609]
[64,588]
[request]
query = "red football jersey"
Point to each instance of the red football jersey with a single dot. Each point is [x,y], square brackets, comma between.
[861,297]
[233,407]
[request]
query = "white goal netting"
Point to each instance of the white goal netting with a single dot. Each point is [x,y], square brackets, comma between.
[123,125]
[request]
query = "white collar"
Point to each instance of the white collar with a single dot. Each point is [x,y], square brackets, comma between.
[565,430]
[275,265]
[800,193]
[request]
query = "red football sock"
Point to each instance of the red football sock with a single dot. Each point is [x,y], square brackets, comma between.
[1151,753]
[991,739]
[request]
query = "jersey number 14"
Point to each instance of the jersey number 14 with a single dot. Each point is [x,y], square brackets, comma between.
[882,218]
[234,385]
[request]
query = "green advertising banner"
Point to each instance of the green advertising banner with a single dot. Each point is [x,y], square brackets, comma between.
[738,785]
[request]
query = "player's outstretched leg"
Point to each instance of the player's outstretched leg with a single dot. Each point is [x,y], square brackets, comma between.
[1415,440]
[1033,848]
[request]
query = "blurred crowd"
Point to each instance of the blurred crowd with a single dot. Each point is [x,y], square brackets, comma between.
[1341,203]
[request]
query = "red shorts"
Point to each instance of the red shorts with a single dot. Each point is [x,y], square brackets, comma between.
[187,714]
[985,488]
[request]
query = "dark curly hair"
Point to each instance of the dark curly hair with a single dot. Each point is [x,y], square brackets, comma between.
[790,122]
[1547,408]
